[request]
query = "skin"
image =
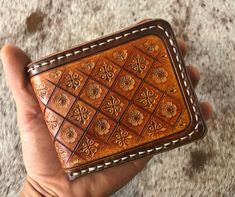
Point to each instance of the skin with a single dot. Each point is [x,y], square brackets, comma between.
[45,177]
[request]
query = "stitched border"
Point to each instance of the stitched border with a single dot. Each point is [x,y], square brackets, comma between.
[156,149]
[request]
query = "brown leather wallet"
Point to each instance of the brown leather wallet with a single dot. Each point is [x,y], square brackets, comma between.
[118,98]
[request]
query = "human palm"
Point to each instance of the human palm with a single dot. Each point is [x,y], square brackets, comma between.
[45,176]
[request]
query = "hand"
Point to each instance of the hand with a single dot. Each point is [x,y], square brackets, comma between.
[45,176]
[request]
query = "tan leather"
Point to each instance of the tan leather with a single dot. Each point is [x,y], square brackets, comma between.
[127,97]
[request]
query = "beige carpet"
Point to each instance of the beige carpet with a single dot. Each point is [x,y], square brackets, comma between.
[205,168]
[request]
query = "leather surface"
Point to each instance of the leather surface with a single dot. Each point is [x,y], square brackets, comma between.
[100,107]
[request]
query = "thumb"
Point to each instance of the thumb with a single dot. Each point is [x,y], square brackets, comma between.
[38,150]
[14,61]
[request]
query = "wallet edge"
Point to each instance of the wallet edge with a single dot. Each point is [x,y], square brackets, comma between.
[200,128]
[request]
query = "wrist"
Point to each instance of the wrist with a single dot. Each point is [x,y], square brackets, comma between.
[50,187]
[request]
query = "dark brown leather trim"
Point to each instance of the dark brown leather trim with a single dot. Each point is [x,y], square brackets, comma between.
[196,129]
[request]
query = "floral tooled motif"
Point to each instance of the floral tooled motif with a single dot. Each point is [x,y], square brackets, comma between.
[138,63]
[51,121]
[127,83]
[55,74]
[89,147]
[151,47]
[94,91]
[160,75]
[113,105]
[171,89]
[122,138]
[81,114]
[69,135]
[61,153]
[120,55]
[41,89]
[106,72]
[155,127]
[102,126]
[88,65]
[147,98]
[61,100]
[135,117]
[169,109]
[73,80]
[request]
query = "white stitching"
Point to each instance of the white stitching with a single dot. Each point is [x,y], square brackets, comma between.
[124,158]
[100,166]
[85,49]
[116,160]
[76,52]
[127,34]
[190,98]
[184,138]
[68,54]
[102,43]
[150,150]
[188,92]
[118,37]
[83,171]
[135,31]
[92,46]
[143,29]
[180,66]
[167,144]
[190,134]
[107,163]
[110,40]
[133,155]
[91,169]
[177,58]
[174,141]
[156,149]
[30,69]
[171,42]
[152,27]
[76,174]
[59,58]
[160,27]
[141,152]
[167,34]
[45,63]
[53,60]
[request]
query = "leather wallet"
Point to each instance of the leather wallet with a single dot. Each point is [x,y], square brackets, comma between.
[117,98]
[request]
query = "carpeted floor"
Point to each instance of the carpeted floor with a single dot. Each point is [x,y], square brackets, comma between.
[205,168]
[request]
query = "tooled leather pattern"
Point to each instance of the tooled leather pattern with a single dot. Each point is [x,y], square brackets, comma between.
[112,101]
